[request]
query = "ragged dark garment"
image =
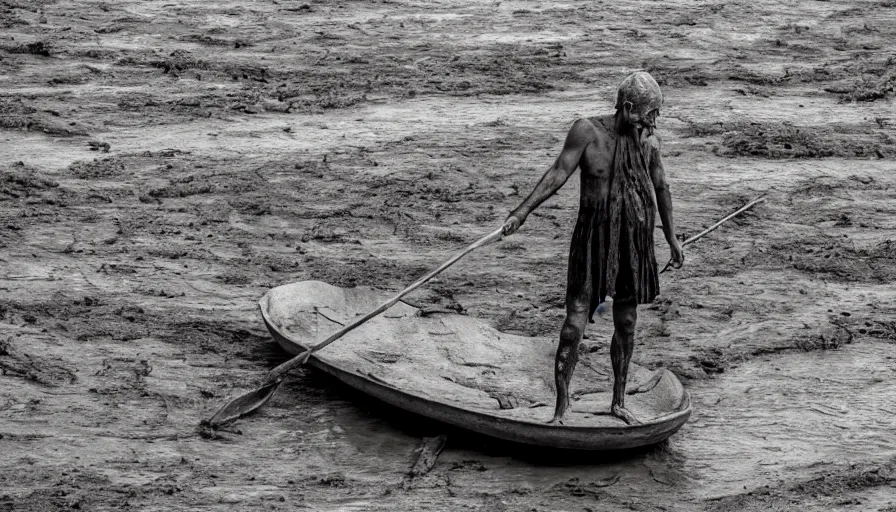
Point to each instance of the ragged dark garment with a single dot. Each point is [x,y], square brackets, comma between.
[612,251]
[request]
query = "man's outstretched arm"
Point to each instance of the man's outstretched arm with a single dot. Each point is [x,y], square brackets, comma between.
[578,138]
[664,202]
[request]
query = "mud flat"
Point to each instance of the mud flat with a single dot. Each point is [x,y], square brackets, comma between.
[166,163]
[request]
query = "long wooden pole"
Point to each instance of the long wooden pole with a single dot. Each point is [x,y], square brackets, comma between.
[712,228]
[252,400]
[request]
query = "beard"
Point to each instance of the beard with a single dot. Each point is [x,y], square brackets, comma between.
[642,130]
[641,126]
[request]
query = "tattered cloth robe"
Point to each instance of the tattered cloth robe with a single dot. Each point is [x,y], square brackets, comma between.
[612,252]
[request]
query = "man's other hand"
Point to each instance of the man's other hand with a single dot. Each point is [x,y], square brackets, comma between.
[677,254]
[511,225]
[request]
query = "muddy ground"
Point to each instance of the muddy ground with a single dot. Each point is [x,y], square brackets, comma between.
[166,163]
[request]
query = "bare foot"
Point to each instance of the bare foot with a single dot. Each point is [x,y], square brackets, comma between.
[556,420]
[623,414]
[559,411]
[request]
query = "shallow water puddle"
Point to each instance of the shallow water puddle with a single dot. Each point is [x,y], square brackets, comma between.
[786,414]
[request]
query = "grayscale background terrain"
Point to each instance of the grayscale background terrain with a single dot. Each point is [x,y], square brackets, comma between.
[164,163]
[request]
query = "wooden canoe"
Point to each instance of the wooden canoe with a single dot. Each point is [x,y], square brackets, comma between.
[458,370]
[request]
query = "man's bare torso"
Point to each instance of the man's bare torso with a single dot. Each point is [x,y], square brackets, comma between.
[596,161]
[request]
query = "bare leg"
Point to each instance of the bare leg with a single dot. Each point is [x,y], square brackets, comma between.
[568,355]
[625,315]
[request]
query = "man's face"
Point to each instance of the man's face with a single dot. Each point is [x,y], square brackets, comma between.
[640,121]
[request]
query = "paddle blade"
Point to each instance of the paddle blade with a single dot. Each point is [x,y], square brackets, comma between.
[243,404]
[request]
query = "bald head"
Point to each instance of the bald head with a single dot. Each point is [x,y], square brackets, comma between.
[638,100]
[641,90]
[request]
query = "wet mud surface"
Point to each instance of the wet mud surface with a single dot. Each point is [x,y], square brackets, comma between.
[166,163]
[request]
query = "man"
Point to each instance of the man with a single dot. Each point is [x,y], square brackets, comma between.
[611,253]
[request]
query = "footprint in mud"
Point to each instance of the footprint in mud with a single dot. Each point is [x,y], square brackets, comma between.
[120,375]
